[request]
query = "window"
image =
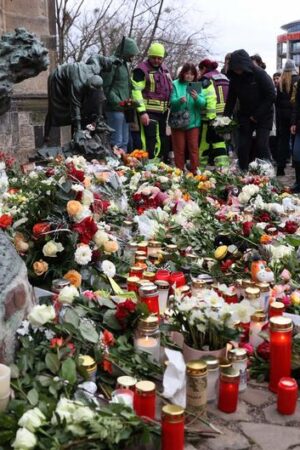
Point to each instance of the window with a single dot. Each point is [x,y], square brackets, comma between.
[295,47]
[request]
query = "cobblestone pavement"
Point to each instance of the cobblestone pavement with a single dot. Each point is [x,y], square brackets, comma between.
[256,425]
[289,178]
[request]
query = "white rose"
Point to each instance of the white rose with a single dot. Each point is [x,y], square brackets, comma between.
[65,409]
[87,197]
[83,413]
[163,179]
[83,255]
[100,238]
[32,419]
[67,294]
[33,175]
[76,430]
[25,440]
[51,248]
[41,314]
[108,268]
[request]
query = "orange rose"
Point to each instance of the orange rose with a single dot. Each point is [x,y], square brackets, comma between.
[111,246]
[40,267]
[87,182]
[74,277]
[20,243]
[74,207]
[265,239]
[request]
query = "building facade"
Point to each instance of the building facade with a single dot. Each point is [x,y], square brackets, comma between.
[288,44]
[21,129]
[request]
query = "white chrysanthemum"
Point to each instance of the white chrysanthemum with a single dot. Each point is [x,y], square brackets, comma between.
[280,251]
[83,255]
[108,268]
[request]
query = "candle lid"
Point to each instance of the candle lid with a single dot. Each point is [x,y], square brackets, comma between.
[149,274]
[148,289]
[224,364]
[173,411]
[151,322]
[252,292]
[258,317]
[211,361]
[229,374]
[140,253]
[144,386]
[263,287]
[133,279]
[59,283]
[277,305]
[191,256]
[86,360]
[133,244]
[196,367]
[141,258]
[280,323]
[154,244]
[128,223]
[184,289]
[233,249]
[126,381]
[142,244]
[161,284]
[171,247]
[247,283]
[136,269]
[237,354]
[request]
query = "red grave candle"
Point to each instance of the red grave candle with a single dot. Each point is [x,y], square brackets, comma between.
[162,275]
[231,297]
[280,350]
[287,395]
[172,428]
[136,271]
[132,283]
[149,294]
[228,390]
[144,399]
[276,309]
[178,279]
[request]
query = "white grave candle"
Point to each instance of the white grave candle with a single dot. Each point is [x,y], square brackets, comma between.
[5,373]
[149,345]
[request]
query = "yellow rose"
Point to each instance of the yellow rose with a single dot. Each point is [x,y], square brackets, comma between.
[74,277]
[111,246]
[74,207]
[295,298]
[40,267]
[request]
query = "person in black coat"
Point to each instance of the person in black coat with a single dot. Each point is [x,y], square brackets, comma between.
[254,89]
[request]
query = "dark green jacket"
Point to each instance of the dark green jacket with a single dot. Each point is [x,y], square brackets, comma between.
[116,84]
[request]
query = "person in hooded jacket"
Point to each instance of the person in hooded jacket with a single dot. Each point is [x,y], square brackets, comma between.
[117,89]
[295,131]
[254,89]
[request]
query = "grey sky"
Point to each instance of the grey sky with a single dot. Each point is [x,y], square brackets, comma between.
[252,25]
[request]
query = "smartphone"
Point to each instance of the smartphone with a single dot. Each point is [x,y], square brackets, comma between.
[196,86]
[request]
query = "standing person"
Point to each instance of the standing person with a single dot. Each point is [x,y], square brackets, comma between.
[214,149]
[295,131]
[152,86]
[257,59]
[117,89]
[274,134]
[254,89]
[192,101]
[287,84]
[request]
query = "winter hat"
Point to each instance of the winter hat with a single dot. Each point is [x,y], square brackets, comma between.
[156,49]
[290,66]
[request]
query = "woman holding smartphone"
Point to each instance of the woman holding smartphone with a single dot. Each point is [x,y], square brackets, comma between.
[184,97]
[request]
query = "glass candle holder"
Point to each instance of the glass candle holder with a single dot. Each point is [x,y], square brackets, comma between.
[147,337]
[246,283]
[276,309]
[148,294]
[228,390]
[89,364]
[197,287]
[213,372]
[163,295]
[58,284]
[177,279]
[231,297]
[172,428]
[132,284]
[136,271]
[5,375]
[238,359]
[264,295]
[143,246]
[163,275]
[123,396]
[129,251]
[154,250]
[196,386]
[287,395]
[253,295]
[280,350]
[144,399]
[150,276]
[258,320]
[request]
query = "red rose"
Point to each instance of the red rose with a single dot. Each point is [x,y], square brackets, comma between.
[107,366]
[247,227]
[75,174]
[50,172]
[108,338]
[56,342]
[123,310]
[86,229]
[264,217]
[263,350]
[290,227]
[5,221]
[40,228]
[100,206]
[225,265]
[137,197]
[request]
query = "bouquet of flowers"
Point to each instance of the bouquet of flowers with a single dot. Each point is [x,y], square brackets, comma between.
[223,126]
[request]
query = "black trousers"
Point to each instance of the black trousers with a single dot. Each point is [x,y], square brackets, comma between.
[284,150]
[158,122]
[262,150]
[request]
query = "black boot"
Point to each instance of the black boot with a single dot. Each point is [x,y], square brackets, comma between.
[296,187]
[280,172]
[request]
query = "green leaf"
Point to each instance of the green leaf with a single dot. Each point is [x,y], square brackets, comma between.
[110,320]
[52,362]
[44,380]
[88,332]
[6,436]
[15,372]
[68,371]
[71,317]
[6,422]
[33,397]
[293,240]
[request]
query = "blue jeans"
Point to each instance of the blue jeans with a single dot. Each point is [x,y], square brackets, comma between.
[119,137]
